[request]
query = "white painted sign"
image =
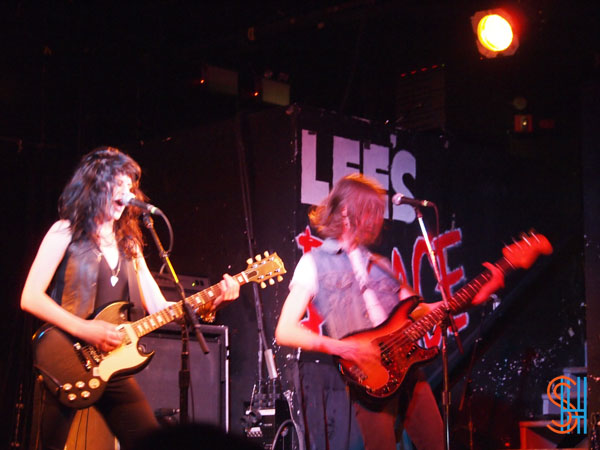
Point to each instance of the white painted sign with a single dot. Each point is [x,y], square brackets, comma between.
[351,156]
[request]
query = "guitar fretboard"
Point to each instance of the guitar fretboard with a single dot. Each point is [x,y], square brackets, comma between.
[200,301]
[459,300]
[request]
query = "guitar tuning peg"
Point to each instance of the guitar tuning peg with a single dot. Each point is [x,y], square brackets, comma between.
[279,278]
[266,254]
[525,237]
[263,285]
[271,281]
[258,257]
[249,261]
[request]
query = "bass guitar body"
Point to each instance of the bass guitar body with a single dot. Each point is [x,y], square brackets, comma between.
[398,355]
[77,372]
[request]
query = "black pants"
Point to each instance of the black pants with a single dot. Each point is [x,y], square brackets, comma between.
[328,415]
[123,406]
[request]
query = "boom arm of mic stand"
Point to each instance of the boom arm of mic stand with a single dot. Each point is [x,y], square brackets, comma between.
[189,314]
[190,318]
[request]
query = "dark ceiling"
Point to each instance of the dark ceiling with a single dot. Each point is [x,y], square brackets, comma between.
[78,73]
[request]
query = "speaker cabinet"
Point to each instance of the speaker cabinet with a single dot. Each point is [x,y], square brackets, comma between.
[208,396]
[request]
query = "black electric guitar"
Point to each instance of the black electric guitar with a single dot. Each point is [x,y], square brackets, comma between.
[77,372]
[397,337]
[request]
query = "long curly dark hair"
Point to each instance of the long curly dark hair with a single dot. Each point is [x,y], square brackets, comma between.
[363,201]
[86,199]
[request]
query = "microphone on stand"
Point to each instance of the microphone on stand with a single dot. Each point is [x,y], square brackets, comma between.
[401,199]
[130,200]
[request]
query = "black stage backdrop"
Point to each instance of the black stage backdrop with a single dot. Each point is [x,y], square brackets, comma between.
[487,193]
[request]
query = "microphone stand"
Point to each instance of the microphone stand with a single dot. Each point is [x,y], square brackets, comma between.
[467,394]
[448,320]
[190,320]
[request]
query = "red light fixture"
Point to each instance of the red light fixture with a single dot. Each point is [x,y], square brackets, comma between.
[523,123]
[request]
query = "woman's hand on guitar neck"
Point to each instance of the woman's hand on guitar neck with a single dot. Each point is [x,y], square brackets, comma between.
[102,335]
[230,290]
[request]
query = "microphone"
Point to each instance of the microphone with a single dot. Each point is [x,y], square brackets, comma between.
[130,200]
[401,199]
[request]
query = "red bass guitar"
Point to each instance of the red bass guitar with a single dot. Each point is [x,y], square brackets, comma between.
[397,337]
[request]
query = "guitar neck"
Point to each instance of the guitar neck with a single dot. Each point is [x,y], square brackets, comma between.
[458,301]
[200,301]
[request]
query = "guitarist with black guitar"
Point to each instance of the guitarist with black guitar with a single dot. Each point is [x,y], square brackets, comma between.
[367,316]
[88,259]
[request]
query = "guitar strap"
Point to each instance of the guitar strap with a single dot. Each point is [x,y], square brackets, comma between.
[405,292]
[381,262]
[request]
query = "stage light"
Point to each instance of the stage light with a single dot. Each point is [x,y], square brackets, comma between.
[496,33]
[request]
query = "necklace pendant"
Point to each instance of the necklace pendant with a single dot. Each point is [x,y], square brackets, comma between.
[114,280]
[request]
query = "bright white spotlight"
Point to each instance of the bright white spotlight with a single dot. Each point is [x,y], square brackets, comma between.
[495,33]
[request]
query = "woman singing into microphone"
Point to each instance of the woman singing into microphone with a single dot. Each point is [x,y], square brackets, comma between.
[90,257]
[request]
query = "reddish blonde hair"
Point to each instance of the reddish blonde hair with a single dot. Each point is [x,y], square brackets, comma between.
[363,201]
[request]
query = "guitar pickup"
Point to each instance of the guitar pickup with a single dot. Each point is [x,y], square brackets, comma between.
[87,355]
[358,374]
[124,336]
[412,350]
[94,354]
[85,361]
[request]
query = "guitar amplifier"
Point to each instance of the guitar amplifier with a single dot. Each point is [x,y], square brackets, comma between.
[209,388]
[208,400]
[209,383]
[190,284]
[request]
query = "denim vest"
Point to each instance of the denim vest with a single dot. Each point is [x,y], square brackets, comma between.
[339,299]
[76,280]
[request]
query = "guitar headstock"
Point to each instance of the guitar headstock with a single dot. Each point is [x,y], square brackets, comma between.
[523,253]
[265,268]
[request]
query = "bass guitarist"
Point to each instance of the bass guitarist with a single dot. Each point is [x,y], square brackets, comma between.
[91,257]
[354,290]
